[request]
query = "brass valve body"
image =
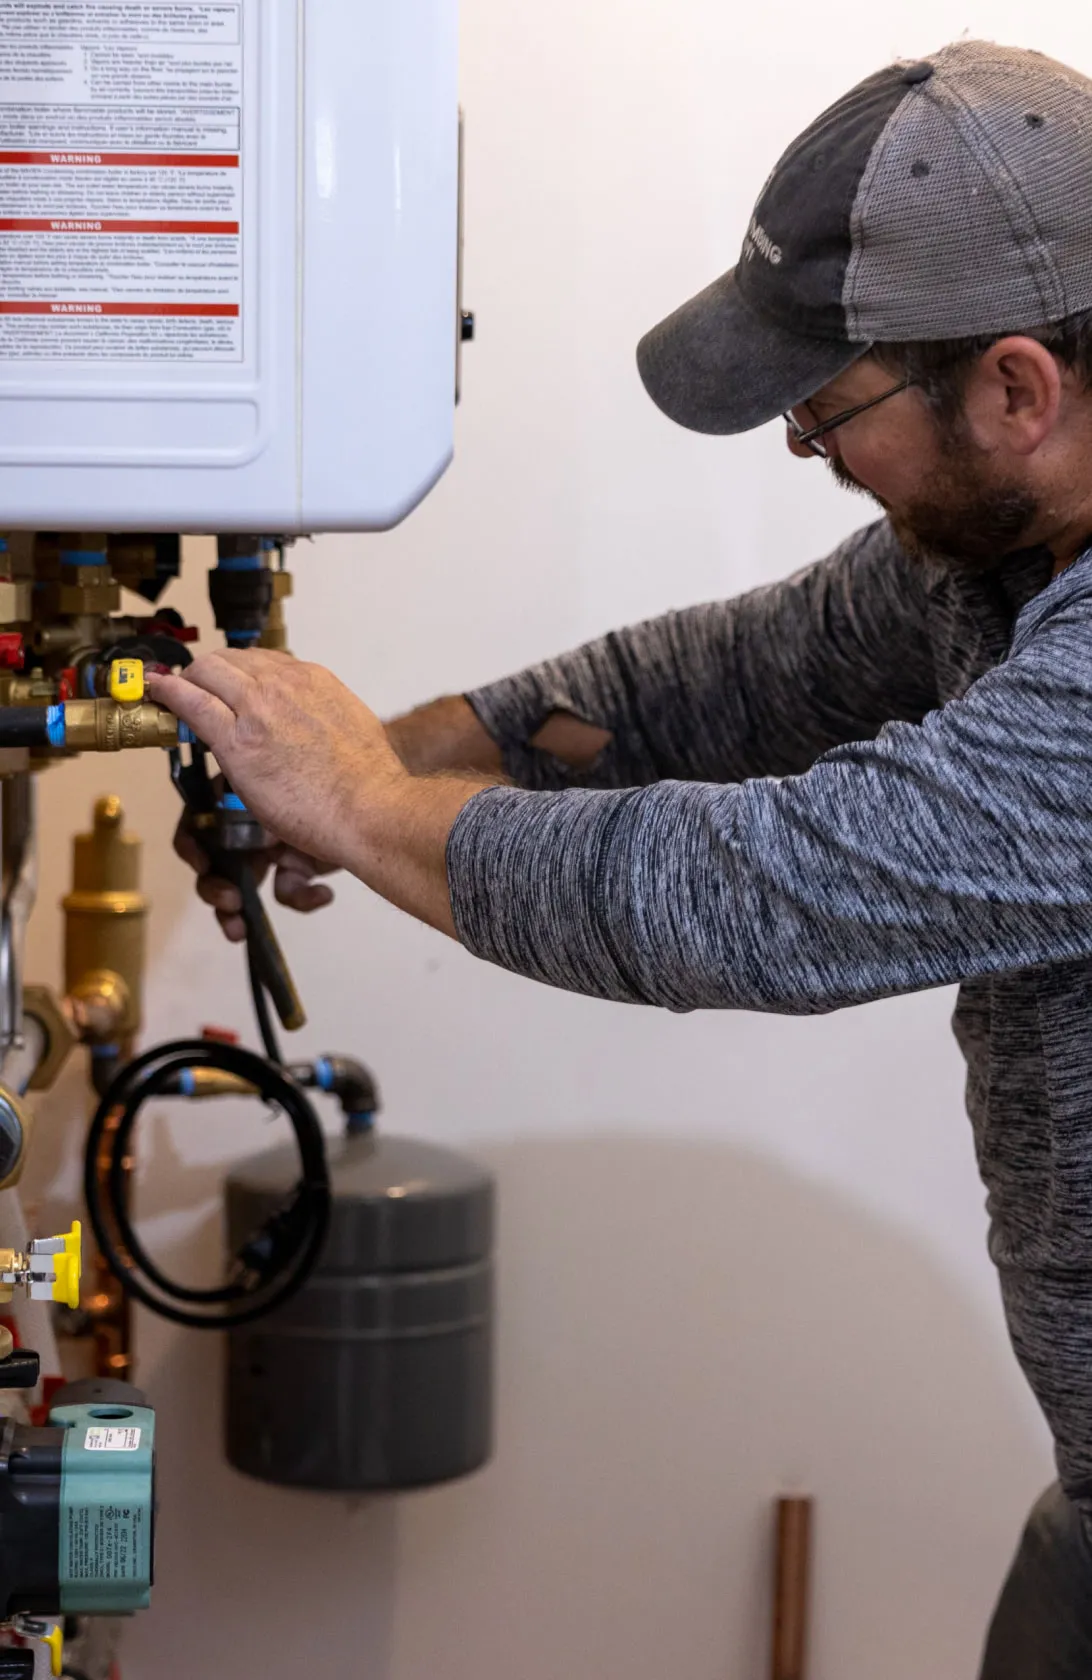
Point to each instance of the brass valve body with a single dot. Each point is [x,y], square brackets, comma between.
[101,1006]
[111,726]
[104,920]
[15,601]
[275,634]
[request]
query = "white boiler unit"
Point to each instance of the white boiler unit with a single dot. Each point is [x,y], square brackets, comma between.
[228,262]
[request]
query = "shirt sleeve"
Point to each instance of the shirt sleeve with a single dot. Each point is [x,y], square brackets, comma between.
[752,687]
[958,847]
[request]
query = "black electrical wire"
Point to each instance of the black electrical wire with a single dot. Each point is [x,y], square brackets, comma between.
[261,1007]
[278,1258]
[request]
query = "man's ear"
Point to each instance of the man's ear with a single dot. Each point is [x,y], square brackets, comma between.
[1013,397]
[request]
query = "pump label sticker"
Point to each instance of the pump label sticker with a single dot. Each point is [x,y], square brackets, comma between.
[104,1543]
[121,180]
[112,1440]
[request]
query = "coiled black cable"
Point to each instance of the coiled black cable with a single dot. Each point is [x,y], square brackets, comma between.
[277,1259]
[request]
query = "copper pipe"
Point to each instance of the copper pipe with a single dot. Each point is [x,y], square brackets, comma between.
[791,1585]
[109,1308]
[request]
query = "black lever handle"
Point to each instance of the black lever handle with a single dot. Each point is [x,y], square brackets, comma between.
[20,1369]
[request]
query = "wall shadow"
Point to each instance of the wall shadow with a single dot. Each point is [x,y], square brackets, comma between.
[686,1330]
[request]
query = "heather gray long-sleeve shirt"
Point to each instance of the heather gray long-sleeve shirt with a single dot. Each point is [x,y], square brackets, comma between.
[872,778]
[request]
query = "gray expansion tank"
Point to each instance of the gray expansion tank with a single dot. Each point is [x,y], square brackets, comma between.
[379,1372]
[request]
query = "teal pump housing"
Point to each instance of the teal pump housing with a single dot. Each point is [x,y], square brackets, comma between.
[77,1505]
[105,1553]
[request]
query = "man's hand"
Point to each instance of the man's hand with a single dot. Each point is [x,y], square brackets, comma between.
[444,735]
[294,881]
[316,768]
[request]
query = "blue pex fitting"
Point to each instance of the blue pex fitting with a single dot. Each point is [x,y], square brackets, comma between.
[83,557]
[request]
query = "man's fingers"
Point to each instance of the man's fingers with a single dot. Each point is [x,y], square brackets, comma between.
[207,715]
[188,849]
[220,894]
[233,674]
[228,675]
[298,892]
[295,884]
[234,927]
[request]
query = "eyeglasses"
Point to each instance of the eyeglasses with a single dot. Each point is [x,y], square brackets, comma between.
[812,437]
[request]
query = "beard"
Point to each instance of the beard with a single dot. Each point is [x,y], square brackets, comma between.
[963,520]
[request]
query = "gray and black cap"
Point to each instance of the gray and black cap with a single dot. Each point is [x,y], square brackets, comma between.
[943,199]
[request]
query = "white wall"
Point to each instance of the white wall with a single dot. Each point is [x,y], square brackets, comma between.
[739,1256]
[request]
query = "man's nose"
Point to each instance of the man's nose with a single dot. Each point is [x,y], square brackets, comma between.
[804,451]
[800,450]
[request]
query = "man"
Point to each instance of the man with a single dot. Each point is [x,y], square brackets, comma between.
[873,778]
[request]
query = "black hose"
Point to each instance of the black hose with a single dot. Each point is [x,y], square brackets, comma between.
[277,1259]
[25,726]
[262,1011]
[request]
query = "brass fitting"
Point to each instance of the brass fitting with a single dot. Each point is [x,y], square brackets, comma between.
[15,601]
[117,726]
[211,1082]
[100,1006]
[18,561]
[90,597]
[72,591]
[35,689]
[105,915]
[275,634]
[60,1035]
[135,559]
[16,1121]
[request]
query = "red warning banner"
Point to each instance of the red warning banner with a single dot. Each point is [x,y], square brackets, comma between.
[219,311]
[121,160]
[77,224]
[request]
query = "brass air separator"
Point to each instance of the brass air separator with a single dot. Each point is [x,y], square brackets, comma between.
[105,915]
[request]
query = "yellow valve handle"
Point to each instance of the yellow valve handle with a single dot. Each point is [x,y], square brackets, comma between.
[55,1641]
[69,1269]
[127,679]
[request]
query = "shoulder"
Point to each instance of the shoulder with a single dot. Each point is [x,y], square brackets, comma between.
[872,575]
[876,552]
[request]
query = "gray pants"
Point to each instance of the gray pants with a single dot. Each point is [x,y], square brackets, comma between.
[1042,1627]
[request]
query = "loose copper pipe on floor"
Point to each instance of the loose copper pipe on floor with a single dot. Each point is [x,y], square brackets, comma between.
[791,1585]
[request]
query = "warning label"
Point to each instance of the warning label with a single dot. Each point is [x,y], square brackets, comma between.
[104,1543]
[121,180]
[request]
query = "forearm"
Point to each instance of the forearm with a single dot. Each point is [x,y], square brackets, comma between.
[756,686]
[446,735]
[443,735]
[399,844]
[937,853]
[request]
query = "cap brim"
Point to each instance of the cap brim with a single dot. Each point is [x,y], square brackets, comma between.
[716,366]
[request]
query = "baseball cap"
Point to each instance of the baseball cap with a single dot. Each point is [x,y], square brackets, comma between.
[941,199]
